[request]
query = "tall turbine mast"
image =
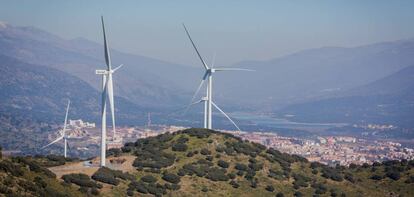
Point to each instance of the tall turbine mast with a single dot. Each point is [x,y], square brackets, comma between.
[107,91]
[208,100]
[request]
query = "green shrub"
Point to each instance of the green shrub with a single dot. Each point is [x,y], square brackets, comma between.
[205,151]
[270,188]
[105,175]
[217,174]
[179,147]
[223,164]
[280,194]
[148,179]
[172,178]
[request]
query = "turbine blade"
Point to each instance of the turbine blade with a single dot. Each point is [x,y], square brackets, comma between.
[191,104]
[228,117]
[214,60]
[232,69]
[195,94]
[106,47]
[117,68]
[56,140]
[111,100]
[198,90]
[195,48]
[66,119]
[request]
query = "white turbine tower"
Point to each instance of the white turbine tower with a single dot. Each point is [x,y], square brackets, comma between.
[208,99]
[107,91]
[62,134]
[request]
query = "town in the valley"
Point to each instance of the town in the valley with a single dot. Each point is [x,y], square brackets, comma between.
[331,150]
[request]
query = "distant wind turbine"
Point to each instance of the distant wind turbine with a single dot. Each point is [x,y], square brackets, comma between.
[107,91]
[208,99]
[62,133]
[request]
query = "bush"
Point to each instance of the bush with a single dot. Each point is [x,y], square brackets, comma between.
[217,174]
[234,184]
[180,147]
[138,186]
[298,194]
[12,168]
[223,164]
[152,158]
[394,175]
[349,177]
[280,194]
[319,188]
[148,179]
[231,175]
[40,182]
[270,188]
[205,151]
[376,177]
[241,167]
[256,166]
[409,180]
[172,178]
[253,183]
[116,152]
[105,175]
[190,154]
[204,189]
[332,173]
[81,180]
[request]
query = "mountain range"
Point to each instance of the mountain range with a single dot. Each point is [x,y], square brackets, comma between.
[290,83]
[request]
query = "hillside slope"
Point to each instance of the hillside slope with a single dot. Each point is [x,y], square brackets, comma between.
[140,80]
[200,162]
[41,93]
[27,177]
[385,101]
[314,73]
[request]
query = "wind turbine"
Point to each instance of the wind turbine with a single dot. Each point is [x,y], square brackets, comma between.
[62,134]
[208,99]
[107,91]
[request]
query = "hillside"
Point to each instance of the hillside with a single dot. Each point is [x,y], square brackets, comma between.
[385,101]
[28,177]
[80,57]
[41,93]
[33,100]
[199,162]
[314,73]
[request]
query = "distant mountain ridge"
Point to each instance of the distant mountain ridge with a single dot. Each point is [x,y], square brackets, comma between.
[389,100]
[139,80]
[314,73]
[40,93]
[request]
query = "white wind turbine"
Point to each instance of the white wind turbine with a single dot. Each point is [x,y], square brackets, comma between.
[107,91]
[62,133]
[208,99]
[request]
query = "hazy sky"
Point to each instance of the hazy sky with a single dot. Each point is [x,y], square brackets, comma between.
[237,30]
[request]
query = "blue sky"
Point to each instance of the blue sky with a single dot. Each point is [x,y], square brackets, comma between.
[236,30]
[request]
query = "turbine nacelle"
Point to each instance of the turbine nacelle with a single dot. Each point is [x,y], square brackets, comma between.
[106,72]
